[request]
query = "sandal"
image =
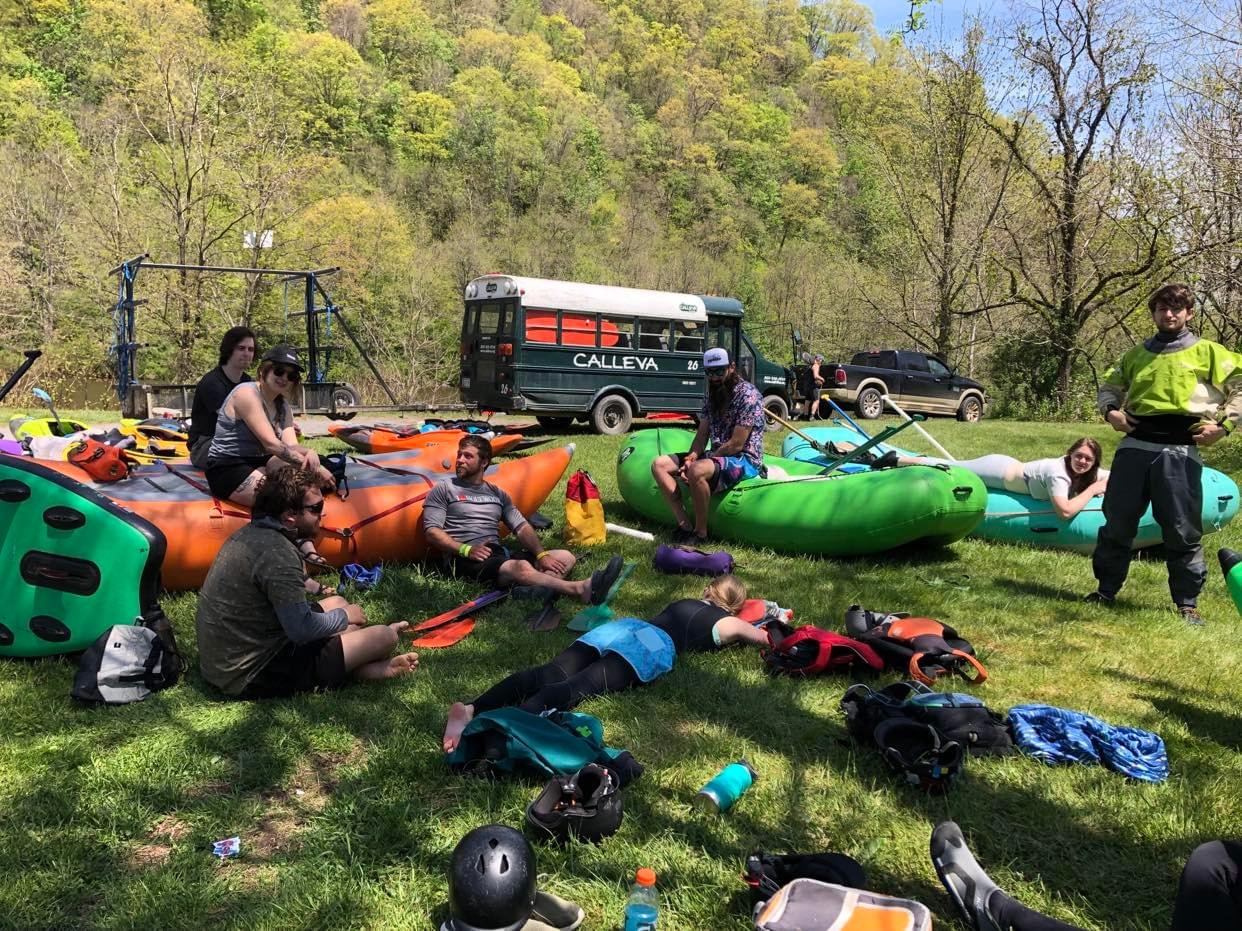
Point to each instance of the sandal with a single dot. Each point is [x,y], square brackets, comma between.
[312,558]
[968,885]
[320,590]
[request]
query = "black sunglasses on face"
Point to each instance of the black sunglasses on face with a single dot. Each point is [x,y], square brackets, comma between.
[313,508]
[281,371]
[716,371]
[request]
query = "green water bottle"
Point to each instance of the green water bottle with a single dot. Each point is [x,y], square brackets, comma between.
[727,786]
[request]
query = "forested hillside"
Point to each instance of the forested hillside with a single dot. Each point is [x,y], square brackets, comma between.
[1005,195]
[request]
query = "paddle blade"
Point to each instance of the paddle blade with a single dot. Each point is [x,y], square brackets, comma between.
[445,636]
[546,618]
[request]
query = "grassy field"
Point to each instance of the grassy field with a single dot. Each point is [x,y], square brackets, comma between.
[348,814]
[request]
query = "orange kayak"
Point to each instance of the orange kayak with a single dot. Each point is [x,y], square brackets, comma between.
[378,521]
[379,439]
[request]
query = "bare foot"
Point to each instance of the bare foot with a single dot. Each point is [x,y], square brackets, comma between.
[399,627]
[402,665]
[459,716]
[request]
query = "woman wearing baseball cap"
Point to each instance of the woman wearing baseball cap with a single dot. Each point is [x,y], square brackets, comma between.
[255,434]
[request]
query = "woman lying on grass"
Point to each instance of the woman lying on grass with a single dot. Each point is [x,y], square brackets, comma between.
[617,655]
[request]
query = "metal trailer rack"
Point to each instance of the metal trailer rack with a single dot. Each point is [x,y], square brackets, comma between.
[338,400]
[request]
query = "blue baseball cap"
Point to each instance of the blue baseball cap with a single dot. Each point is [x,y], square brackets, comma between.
[716,357]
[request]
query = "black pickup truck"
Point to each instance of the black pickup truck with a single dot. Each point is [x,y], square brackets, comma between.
[916,381]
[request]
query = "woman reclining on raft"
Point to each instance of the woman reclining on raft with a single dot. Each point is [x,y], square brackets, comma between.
[617,655]
[1068,483]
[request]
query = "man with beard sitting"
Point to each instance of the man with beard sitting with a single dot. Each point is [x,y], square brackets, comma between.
[462,516]
[732,418]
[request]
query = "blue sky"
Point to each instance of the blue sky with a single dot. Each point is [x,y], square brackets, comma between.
[891,14]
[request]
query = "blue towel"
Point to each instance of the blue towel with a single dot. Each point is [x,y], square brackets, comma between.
[360,576]
[646,648]
[1056,735]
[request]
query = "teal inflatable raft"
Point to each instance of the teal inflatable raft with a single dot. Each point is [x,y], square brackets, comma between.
[75,563]
[1014,518]
[800,510]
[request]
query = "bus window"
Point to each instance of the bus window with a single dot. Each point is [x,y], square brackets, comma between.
[541,326]
[578,329]
[687,337]
[653,334]
[616,332]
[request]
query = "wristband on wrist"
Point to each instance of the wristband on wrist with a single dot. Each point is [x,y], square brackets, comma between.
[539,556]
[1228,426]
[464,551]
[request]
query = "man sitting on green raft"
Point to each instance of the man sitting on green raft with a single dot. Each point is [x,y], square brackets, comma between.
[732,418]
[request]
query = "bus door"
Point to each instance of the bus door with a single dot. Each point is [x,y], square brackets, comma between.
[487,349]
[725,331]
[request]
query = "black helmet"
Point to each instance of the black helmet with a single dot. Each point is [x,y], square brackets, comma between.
[586,805]
[491,880]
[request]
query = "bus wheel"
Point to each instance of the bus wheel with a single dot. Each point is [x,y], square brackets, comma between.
[612,415]
[775,404]
[555,423]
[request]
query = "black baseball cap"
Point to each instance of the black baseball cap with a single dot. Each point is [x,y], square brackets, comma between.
[284,355]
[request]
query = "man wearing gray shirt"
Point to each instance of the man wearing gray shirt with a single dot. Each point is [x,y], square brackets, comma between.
[258,636]
[462,516]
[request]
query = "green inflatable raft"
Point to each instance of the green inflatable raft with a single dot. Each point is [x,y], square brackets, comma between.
[800,510]
[75,562]
[1018,518]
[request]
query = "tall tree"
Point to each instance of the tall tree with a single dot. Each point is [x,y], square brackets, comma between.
[947,179]
[1093,232]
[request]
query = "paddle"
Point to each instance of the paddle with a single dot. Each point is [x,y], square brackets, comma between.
[927,436]
[47,399]
[469,607]
[546,617]
[876,440]
[815,444]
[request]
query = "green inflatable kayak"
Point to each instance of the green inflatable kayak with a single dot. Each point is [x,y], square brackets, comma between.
[75,562]
[797,509]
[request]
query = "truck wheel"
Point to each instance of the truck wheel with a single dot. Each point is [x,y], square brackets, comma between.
[775,404]
[870,403]
[612,416]
[971,410]
[554,423]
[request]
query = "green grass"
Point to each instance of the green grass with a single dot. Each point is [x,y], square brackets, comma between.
[348,814]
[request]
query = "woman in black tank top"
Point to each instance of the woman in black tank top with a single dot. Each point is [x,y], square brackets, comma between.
[580,671]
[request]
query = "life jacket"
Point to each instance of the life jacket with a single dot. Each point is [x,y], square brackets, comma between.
[101,462]
[811,651]
[920,647]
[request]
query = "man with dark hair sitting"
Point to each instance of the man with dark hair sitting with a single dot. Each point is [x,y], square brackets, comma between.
[462,515]
[258,637]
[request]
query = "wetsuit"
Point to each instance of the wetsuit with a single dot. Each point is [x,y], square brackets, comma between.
[1209,896]
[584,669]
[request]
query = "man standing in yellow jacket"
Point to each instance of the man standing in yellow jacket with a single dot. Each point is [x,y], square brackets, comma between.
[1170,395]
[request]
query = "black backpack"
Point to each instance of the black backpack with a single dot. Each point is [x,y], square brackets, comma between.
[128,662]
[960,718]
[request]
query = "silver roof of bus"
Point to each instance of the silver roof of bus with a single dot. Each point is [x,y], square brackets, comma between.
[589,298]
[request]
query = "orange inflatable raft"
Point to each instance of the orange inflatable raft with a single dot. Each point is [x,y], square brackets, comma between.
[391,439]
[378,520]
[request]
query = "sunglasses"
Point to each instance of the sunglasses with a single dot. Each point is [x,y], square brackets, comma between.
[284,371]
[717,371]
[313,508]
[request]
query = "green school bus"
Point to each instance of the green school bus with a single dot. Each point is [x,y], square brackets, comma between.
[564,351]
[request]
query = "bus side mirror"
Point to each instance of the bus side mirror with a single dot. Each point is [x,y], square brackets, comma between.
[797,335]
